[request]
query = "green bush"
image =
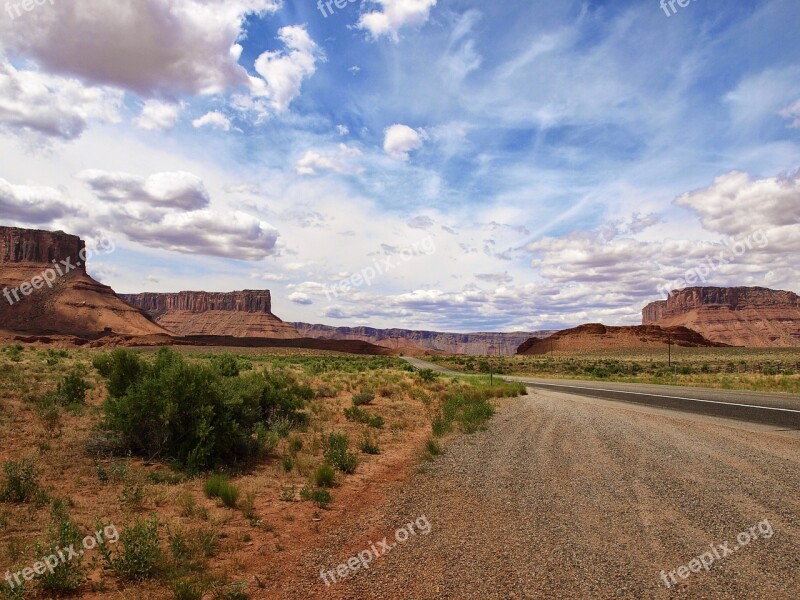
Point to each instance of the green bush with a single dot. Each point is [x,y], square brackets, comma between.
[191,414]
[320,497]
[325,476]
[138,553]
[428,375]
[22,482]
[363,399]
[72,389]
[68,576]
[369,444]
[337,455]
[219,486]
[226,365]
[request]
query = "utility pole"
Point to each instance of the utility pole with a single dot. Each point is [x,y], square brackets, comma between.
[669,346]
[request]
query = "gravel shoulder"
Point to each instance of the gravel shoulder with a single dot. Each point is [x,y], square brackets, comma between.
[571,497]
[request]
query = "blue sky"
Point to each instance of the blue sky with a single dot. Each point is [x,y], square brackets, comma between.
[562,161]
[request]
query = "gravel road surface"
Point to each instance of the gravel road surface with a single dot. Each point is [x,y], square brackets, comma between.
[573,497]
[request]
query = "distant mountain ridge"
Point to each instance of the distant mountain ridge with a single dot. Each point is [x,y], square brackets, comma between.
[420,341]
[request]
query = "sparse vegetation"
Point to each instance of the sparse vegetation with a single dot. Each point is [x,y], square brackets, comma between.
[220,486]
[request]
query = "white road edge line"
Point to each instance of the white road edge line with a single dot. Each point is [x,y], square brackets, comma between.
[574,387]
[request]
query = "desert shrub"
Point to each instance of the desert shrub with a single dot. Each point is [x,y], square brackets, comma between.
[138,553]
[369,445]
[433,447]
[428,375]
[68,576]
[363,399]
[336,453]
[186,590]
[72,389]
[191,414]
[22,482]
[219,486]
[225,365]
[325,476]
[320,497]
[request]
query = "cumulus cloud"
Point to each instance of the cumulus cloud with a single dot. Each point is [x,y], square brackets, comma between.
[159,116]
[300,298]
[52,106]
[401,140]
[735,203]
[146,46]
[394,15]
[340,161]
[36,205]
[229,234]
[282,72]
[213,119]
[167,190]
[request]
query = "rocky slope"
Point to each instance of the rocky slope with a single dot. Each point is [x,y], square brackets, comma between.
[245,314]
[742,316]
[61,297]
[420,342]
[595,336]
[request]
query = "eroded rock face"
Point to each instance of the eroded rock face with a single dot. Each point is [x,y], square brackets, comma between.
[740,316]
[410,341]
[38,246]
[595,336]
[249,301]
[70,302]
[235,314]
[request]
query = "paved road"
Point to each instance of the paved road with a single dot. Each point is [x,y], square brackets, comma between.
[778,410]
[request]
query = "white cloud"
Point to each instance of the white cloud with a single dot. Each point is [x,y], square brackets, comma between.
[283,72]
[300,298]
[394,15]
[165,190]
[401,140]
[52,106]
[340,161]
[213,119]
[31,204]
[343,130]
[735,204]
[145,46]
[159,116]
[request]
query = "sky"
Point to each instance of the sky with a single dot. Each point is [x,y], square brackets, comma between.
[452,165]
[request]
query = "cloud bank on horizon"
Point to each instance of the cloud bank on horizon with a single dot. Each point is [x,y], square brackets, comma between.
[565,159]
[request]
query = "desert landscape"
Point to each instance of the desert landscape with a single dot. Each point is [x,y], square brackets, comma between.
[399,299]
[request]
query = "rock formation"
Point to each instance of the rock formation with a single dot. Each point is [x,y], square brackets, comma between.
[246,314]
[420,342]
[595,336]
[45,289]
[742,316]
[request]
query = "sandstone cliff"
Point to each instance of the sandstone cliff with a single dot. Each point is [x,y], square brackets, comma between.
[420,342]
[595,336]
[245,314]
[741,316]
[61,298]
